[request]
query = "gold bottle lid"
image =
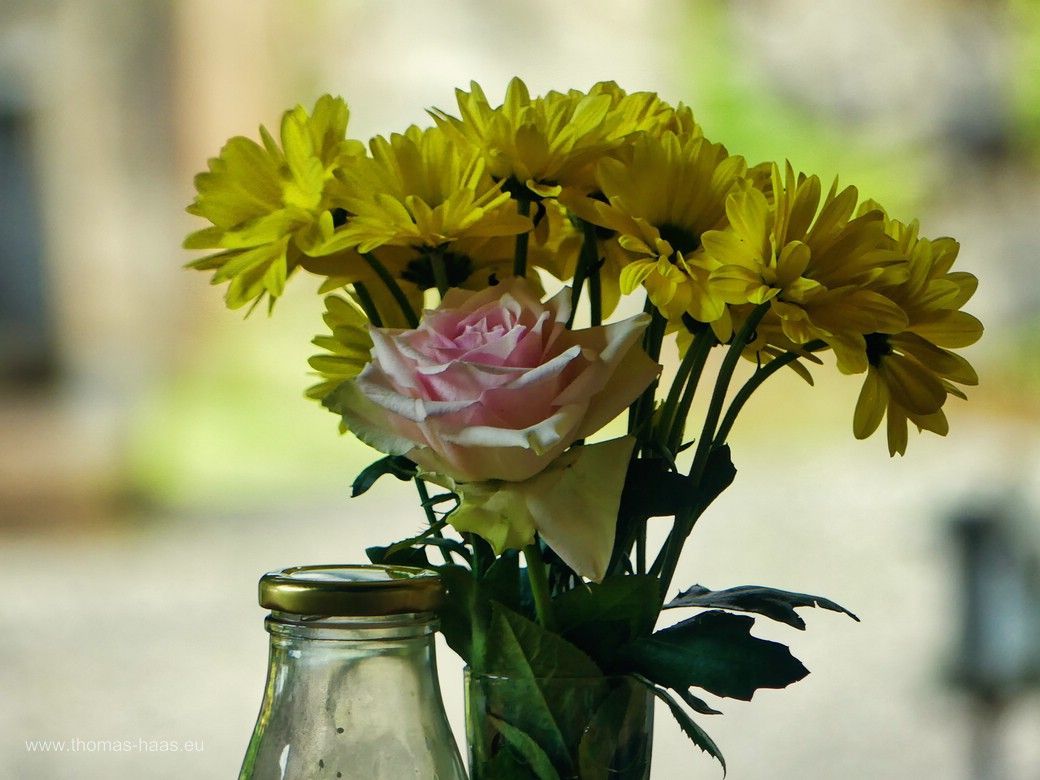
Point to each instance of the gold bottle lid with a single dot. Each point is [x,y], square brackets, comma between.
[351,590]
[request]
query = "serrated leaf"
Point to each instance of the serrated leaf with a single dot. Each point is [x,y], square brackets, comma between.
[697,735]
[696,703]
[714,651]
[775,604]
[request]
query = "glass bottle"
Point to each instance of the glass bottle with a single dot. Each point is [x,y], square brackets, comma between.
[352,687]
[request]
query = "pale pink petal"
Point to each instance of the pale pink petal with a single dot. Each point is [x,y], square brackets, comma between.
[633,376]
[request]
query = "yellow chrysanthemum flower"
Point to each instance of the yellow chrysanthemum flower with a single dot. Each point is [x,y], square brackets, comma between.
[265,203]
[422,193]
[348,346]
[423,188]
[538,145]
[644,112]
[659,198]
[813,264]
[913,372]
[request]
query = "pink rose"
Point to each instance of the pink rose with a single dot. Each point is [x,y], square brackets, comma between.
[492,384]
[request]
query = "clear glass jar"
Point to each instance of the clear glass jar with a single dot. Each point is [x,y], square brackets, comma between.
[352,687]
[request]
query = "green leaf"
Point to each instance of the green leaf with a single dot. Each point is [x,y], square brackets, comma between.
[697,735]
[528,749]
[616,735]
[518,647]
[775,604]
[696,703]
[459,616]
[719,473]
[506,583]
[404,556]
[653,489]
[602,618]
[714,651]
[534,660]
[398,465]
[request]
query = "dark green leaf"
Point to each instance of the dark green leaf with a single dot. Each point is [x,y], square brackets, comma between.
[697,735]
[446,544]
[653,489]
[527,748]
[602,618]
[506,764]
[719,473]
[467,609]
[459,616]
[775,604]
[404,556]
[505,582]
[616,741]
[696,703]
[398,465]
[714,651]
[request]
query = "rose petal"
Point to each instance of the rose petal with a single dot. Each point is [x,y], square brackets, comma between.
[575,504]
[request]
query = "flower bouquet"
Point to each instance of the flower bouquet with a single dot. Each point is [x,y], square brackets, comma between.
[444,351]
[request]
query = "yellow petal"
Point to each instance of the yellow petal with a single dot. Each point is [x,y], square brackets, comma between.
[871,405]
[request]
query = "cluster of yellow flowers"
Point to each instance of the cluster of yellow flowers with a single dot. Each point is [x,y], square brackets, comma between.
[713,241]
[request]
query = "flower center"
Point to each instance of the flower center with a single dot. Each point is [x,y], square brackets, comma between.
[339,217]
[681,239]
[518,189]
[420,270]
[877,347]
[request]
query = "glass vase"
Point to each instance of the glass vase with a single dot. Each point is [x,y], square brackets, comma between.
[351,695]
[598,728]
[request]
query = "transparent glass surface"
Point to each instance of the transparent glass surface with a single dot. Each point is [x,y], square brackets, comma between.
[586,728]
[352,698]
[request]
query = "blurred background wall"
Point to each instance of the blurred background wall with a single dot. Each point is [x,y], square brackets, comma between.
[157,455]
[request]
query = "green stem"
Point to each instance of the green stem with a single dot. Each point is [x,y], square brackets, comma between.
[756,380]
[678,426]
[431,517]
[369,305]
[643,407]
[581,273]
[718,396]
[480,564]
[394,288]
[539,579]
[595,287]
[523,208]
[440,271]
[684,522]
[692,364]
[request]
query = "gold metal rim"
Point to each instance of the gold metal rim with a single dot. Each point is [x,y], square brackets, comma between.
[406,589]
